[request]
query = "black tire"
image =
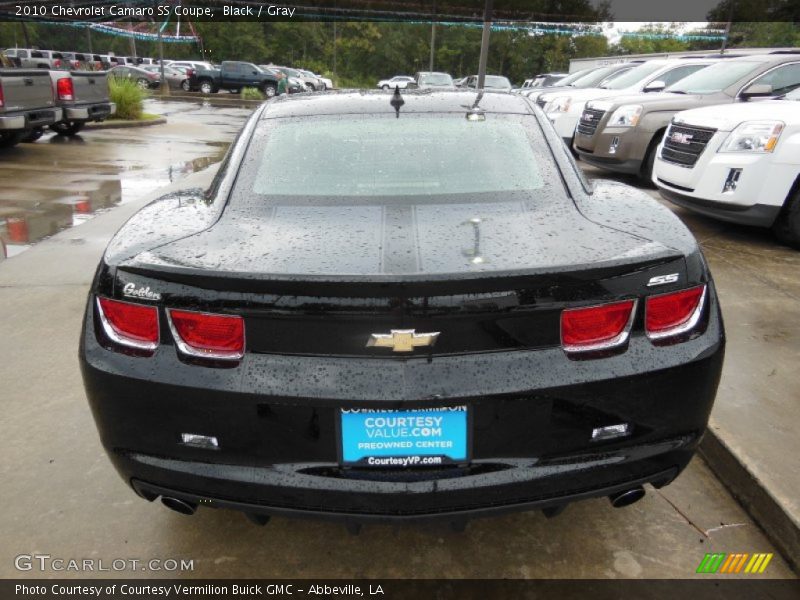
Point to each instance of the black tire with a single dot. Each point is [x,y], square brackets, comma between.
[67,127]
[646,170]
[186,86]
[32,135]
[787,226]
[143,84]
[270,90]
[207,87]
[310,87]
[9,139]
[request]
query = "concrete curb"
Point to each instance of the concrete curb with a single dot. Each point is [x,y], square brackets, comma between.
[223,98]
[113,124]
[776,521]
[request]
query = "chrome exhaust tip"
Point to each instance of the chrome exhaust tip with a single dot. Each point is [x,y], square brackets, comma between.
[626,497]
[181,506]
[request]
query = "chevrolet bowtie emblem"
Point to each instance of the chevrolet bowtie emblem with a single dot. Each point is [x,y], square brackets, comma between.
[402,340]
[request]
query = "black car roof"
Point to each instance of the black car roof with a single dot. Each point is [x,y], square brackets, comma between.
[375,102]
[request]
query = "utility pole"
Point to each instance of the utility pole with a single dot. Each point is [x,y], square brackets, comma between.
[487,29]
[727,28]
[433,36]
[334,46]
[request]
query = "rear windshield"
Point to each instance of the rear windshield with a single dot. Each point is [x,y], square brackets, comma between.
[713,78]
[371,156]
[633,76]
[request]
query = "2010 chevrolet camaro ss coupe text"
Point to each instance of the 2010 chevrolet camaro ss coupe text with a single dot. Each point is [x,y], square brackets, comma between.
[426,313]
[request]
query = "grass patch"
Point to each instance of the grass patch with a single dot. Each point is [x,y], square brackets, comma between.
[251,93]
[128,97]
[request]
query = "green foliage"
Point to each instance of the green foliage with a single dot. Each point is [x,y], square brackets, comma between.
[128,97]
[251,93]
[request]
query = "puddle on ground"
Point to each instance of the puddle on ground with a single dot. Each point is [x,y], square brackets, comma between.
[58,183]
[39,208]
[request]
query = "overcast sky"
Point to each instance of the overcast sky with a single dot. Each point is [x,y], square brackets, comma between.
[660,10]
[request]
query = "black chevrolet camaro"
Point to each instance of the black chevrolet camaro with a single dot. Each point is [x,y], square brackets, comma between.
[426,313]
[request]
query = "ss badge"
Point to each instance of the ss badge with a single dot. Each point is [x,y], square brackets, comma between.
[663,279]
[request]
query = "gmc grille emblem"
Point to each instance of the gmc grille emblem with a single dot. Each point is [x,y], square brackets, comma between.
[587,117]
[681,138]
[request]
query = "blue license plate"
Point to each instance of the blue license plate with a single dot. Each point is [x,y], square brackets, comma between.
[404,438]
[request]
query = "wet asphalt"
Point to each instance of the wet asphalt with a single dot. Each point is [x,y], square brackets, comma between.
[60,200]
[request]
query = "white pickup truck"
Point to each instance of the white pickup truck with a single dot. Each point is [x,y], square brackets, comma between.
[745,165]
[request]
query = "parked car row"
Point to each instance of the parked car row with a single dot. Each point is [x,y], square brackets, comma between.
[34,58]
[666,122]
[32,99]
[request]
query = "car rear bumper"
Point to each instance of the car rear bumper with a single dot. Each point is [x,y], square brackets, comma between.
[90,112]
[30,119]
[277,422]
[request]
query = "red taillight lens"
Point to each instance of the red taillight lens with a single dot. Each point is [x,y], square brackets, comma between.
[189,72]
[2,98]
[129,324]
[596,327]
[57,63]
[675,313]
[65,89]
[208,336]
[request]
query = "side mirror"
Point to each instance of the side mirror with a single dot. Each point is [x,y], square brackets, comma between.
[655,86]
[755,90]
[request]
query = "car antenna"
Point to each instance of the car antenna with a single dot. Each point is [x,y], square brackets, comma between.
[397,100]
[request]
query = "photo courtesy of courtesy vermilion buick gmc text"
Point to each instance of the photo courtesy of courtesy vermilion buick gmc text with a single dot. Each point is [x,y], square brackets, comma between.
[451,325]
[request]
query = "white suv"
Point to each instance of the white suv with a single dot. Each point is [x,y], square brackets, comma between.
[738,162]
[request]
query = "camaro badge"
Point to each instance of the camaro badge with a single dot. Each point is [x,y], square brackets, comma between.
[402,340]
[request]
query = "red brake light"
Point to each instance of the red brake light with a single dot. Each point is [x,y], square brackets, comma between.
[57,63]
[129,324]
[65,89]
[674,313]
[189,72]
[207,335]
[2,98]
[596,327]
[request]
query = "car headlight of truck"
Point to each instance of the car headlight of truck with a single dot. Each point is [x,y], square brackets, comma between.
[753,136]
[559,104]
[625,116]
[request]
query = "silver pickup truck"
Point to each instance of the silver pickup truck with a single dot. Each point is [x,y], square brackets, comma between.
[26,103]
[83,96]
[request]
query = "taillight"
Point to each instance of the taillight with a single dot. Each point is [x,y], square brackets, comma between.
[65,89]
[2,98]
[129,324]
[189,72]
[207,335]
[596,327]
[675,313]
[57,63]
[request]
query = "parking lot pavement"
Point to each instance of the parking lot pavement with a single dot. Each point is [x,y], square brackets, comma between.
[757,411]
[61,496]
[59,182]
